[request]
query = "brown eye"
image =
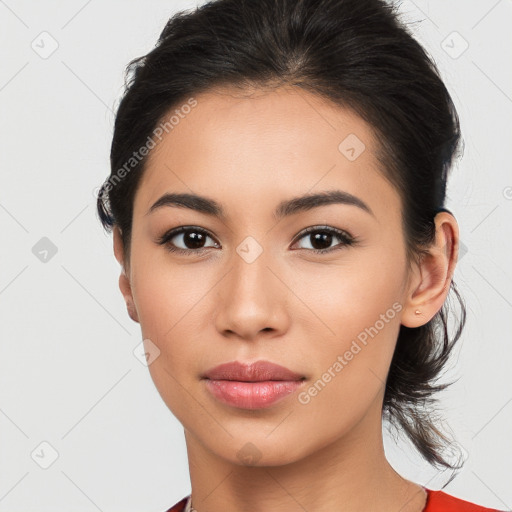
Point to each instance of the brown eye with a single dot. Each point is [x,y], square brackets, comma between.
[321,238]
[186,240]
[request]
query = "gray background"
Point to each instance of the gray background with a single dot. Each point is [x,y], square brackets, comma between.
[68,374]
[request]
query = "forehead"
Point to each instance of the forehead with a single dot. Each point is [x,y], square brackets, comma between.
[284,118]
[257,143]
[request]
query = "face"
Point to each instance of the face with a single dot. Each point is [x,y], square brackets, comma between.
[251,284]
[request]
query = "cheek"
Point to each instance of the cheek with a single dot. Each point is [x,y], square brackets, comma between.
[168,304]
[357,307]
[351,367]
[174,308]
[345,297]
[165,294]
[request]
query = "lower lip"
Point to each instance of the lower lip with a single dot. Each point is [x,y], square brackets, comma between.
[251,395]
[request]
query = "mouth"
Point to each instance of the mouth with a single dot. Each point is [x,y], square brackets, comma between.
[259,371]
[251,395]
[251,386]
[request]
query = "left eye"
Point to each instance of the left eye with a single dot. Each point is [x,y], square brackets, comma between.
[321,238]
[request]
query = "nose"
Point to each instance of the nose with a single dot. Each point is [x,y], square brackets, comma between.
[252,299]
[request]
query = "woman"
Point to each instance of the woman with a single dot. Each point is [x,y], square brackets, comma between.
[253,134]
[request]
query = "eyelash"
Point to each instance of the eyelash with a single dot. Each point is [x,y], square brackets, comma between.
[346,239]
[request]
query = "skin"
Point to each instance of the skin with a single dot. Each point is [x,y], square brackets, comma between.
[289,306]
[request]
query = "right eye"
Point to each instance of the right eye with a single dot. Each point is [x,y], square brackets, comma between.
[188,240]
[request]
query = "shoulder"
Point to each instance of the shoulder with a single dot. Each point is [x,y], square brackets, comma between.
[439,501]
[180,506]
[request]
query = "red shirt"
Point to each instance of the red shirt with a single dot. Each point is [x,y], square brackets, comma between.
[437,501]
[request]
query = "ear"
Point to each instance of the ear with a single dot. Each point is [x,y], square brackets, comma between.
[431,279]
[124,280]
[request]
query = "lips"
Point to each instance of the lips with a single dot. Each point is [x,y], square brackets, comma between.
[252,386]
[256,372]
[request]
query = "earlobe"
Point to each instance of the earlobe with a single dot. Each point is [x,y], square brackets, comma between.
[124,280]
[429,290]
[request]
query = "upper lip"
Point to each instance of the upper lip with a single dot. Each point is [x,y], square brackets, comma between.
[254,372]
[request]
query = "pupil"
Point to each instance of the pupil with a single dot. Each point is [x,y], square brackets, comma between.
[322,238]
[193,239]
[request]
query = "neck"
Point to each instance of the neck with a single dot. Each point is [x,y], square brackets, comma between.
[349,474]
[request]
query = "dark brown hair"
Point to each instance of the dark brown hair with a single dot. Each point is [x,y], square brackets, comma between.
[355,53]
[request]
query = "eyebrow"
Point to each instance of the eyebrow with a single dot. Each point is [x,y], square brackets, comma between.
[284,209]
